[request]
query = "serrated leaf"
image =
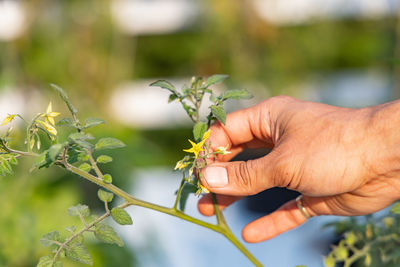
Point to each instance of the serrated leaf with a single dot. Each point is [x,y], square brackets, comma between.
[236,94]
[104,159]
[90,122]
[217,78]
[54,151]
[219,113]
[66,122]
[80,136]
[107,234]
[395,208]
[186,191]
[109,143]
[121,216]
[65,98]
[71,229]
[105,196]
[107,178]
[48,239]
[198,130]
[164,84]
[13,160]
[79,210]
[85,167]
[45,261]
[6,166]
[78,252]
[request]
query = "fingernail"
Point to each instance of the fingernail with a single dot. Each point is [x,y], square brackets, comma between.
[216,177]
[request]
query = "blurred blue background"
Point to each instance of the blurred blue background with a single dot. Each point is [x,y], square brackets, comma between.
[105,53]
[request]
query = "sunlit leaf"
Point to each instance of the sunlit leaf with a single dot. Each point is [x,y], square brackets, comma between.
[107,234]
[218,113]
[217,78]
[105,196]
[109,143]
[65,98]
[90,122]
[86,167]
[107,178]
[48,239]
[77,251]
[104,159]
[198,130]
[236,94]
[79,210]
[164,84]
[121,216]
[66,122]
[54,151]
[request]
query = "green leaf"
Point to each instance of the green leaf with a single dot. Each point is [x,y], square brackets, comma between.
[90,122]
[54,151]
[107,234]
[45,261]
[65,98]
[48,239]
[77,251]
[172,98]
[80,140]
[105,196]
[186,190]
[198,130]
[79,210]
[13,160]
[104,159]
[107,178]
[85,167]
[395,208]
[236,94]
[121,216]
[66,122]
[164,84]
[219,113]
[80,136]
[6,166]
[217,78]
[43,160]
[109,143]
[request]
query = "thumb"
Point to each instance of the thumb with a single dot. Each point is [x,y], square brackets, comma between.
[239,178]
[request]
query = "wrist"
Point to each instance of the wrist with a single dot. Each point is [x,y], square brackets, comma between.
[383,135]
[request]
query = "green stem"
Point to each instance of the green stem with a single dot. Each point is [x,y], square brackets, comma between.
[219,228]
[178,194]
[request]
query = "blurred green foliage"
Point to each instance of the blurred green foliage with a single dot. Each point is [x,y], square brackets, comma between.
[75,44]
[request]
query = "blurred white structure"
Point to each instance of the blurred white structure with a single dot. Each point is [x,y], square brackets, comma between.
[139,17]
[12,20]
[282,12]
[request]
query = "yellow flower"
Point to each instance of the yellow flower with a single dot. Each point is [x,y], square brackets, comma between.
[181,165]
[197,148]
[8,119]
[205,190]
[50,128]
[50,115]
[222,150]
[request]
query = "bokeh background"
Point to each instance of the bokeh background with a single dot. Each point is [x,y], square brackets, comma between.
[105,53]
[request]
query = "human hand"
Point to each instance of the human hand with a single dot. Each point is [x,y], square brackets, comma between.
[344,161]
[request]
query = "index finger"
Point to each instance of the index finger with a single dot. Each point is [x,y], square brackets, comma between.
[248,127]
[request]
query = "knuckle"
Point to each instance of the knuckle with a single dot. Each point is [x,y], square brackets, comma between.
[244,178]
